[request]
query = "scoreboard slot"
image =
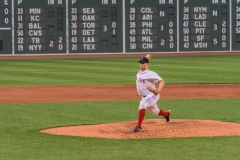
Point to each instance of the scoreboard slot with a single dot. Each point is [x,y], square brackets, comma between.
[151,27]
[203,25]
[5,27]
[40,27]
[95,26]
[235,25]
[1,45]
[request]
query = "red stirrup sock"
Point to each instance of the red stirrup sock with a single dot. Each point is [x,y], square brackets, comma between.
[161,112]
[141,114]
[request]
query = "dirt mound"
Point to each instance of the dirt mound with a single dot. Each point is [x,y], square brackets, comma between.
[152,128]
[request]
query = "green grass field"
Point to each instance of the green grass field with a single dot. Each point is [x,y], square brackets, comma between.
[95,71]
[20,123]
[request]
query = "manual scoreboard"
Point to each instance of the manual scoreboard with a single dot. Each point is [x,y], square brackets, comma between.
[204,25]
[118,26]
[95,26]
[151,26]
[39,27]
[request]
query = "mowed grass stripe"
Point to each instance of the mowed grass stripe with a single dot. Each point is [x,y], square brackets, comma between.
[65,73]
[197,69]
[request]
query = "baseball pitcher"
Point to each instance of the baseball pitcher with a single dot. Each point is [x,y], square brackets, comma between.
[145,83]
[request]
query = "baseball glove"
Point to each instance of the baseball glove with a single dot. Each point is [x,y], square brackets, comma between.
[152,90]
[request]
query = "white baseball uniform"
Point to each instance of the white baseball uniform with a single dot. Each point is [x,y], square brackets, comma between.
[149,99]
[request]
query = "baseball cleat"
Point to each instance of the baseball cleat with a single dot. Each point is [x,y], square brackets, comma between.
[137,129]
[168,117]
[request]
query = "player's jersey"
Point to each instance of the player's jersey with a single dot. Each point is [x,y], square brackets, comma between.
[144,79]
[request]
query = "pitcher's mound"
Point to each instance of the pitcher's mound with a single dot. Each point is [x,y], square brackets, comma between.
[152,128]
